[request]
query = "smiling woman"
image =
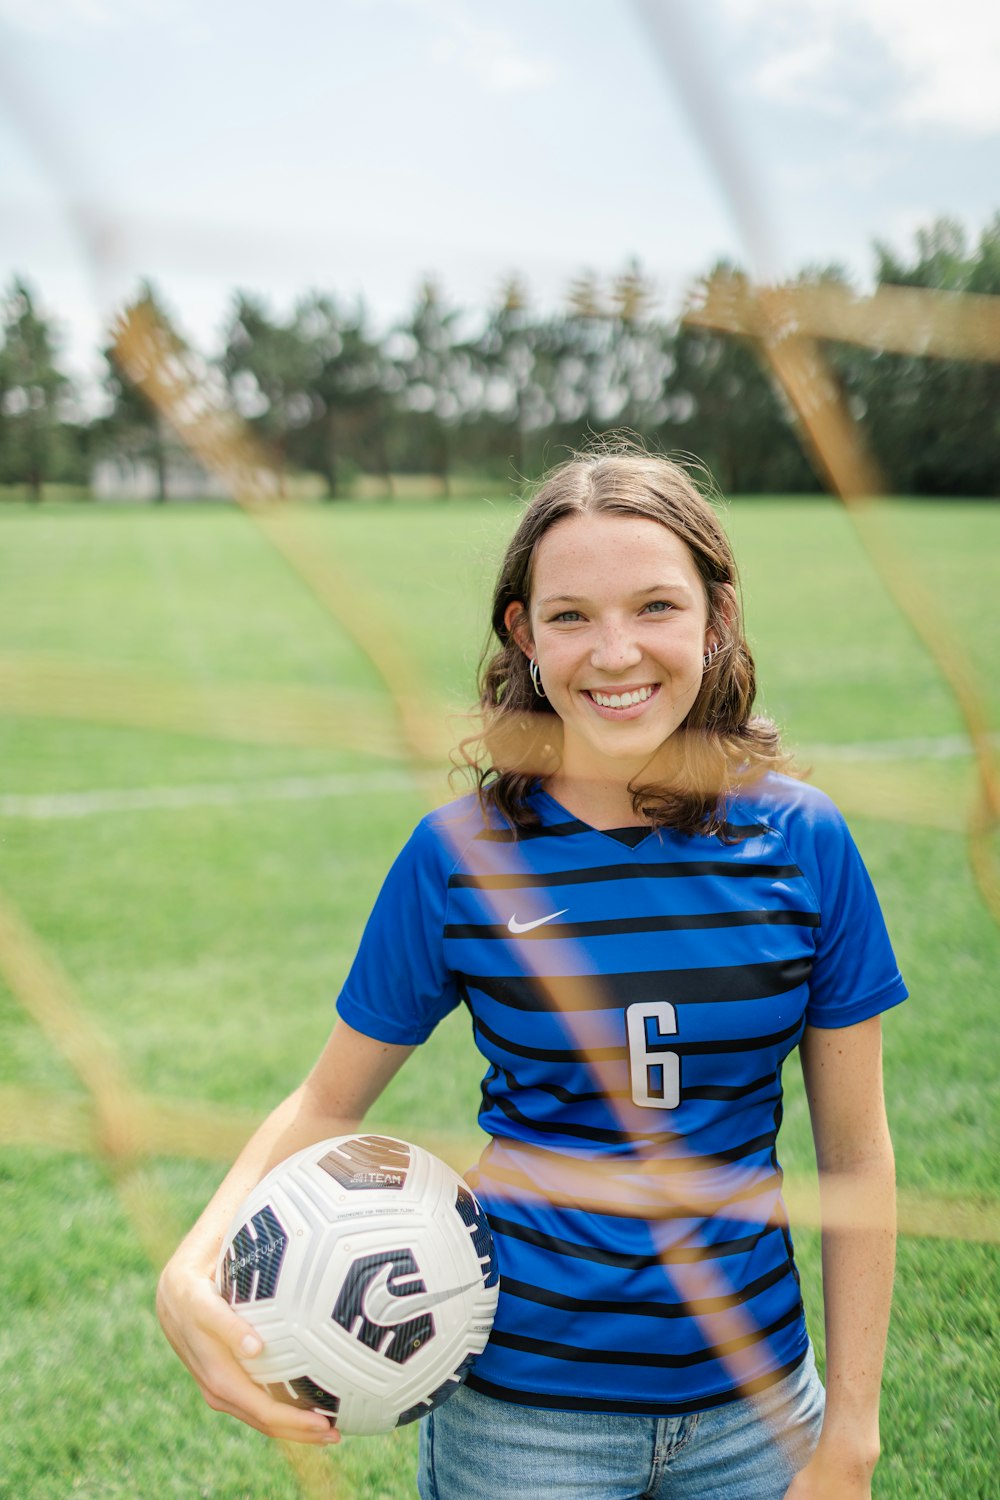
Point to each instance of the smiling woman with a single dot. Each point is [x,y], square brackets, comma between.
[644,919]
[620,583]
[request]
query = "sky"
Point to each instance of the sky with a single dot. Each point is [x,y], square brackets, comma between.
[358,146]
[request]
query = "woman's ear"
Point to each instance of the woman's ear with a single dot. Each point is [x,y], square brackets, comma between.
[515,618]
[726,613]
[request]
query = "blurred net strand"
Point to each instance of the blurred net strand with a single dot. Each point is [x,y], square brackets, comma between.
[658,1192]
[916,321]
[250,713]
[156,1126]
[421,728]
[38,685]
[776,320]
[317,1477]
[174,1128]
[785,331]
[674,29]
[582,1005]
[119,1120]
[174,381]
[44,991]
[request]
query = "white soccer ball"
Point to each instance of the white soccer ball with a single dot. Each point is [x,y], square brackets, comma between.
[367,1267]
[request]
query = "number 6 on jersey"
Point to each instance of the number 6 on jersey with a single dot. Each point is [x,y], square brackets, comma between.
[655,1072]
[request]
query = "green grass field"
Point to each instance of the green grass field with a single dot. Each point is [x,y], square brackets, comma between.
[207,931]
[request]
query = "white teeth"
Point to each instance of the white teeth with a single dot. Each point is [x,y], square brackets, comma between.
[622,700]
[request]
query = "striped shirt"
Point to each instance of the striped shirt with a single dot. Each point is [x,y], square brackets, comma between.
[635,994]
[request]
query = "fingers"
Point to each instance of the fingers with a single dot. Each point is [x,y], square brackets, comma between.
[211,1340]
[214,1315]
[228,1388]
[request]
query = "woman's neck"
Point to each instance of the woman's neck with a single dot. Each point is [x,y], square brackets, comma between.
[601,804]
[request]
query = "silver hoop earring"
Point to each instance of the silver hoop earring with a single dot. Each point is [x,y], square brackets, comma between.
[710,655]
[536,681]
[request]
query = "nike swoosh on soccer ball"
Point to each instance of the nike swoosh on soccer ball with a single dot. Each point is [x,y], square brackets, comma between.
[517,927]
[387,1309]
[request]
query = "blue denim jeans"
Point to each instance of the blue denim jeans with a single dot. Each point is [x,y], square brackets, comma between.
[476,1448]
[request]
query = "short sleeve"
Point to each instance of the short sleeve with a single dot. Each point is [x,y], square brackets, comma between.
[855,974]
[399,987]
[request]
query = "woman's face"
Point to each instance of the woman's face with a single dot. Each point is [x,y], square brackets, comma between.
[618,611]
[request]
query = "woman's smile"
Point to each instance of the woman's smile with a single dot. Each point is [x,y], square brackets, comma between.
[626,702]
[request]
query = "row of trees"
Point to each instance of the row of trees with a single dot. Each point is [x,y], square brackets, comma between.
[436,395]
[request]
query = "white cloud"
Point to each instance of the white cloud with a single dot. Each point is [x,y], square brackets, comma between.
[944,60]
[801,71]
[482,52]
[54,17]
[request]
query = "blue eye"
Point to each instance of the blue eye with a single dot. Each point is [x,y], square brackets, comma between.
[567,614]
[660,606]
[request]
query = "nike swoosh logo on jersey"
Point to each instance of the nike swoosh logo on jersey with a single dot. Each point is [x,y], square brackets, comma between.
[385,1309]
[516,927]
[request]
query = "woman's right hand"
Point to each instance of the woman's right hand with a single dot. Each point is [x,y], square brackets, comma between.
[206,1334]
[208,1337]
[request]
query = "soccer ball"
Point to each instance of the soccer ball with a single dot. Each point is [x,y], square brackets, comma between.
[367,1267]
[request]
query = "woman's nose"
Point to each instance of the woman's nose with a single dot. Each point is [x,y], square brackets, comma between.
[615,650]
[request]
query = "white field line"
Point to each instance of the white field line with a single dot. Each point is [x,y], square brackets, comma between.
[47,806]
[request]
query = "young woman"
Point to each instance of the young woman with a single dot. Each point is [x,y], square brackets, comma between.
[644,916]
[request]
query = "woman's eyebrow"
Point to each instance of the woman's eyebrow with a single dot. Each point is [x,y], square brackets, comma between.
[676,587]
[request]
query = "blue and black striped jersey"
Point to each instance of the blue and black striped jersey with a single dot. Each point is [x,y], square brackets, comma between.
[635,994]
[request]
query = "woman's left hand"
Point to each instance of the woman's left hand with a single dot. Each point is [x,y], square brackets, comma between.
[831,1476]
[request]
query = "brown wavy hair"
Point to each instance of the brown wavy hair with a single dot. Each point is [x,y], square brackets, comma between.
[721,744]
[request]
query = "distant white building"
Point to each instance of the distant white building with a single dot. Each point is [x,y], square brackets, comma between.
[133,477]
